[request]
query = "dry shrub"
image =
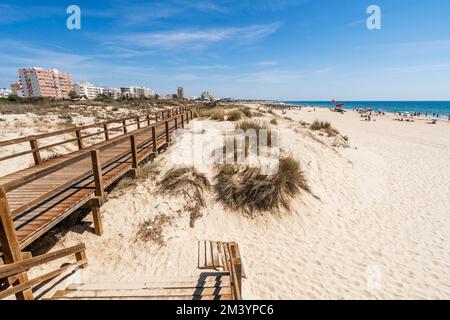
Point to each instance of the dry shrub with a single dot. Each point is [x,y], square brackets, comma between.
[274,121]
[245,189]
[247,112]
[190,184]
[324,126]
[304,124]
[213,113]
[152,230]
[234,115]
[257,126]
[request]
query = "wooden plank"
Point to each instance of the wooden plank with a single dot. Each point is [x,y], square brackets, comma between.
[34,282]
[36,153]
[134,151]
[97,170]
[25,265]
[10,244]
[98,225]
[146,292]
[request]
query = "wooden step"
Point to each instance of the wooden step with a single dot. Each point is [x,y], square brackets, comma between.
[187,297]
[223,282]
[145,292]
[216,255]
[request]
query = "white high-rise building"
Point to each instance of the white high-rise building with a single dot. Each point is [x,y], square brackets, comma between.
[87,90]
[137,92]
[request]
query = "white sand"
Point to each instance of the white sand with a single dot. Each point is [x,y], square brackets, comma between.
[381,229]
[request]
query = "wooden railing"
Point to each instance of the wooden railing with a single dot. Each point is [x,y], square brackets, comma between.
[10,245]
[22,289]
[34,140]
[234,267]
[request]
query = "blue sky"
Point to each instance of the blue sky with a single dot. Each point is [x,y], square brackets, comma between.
[285,49]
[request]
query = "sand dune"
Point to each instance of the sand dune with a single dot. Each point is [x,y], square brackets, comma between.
[378,228]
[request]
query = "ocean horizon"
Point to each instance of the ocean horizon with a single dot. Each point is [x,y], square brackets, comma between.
[441,108]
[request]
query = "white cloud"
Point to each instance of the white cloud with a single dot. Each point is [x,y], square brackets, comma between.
[418,69]
[196,38]
[267,63]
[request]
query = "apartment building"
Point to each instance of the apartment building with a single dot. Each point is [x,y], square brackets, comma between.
[113,93]
[88,90]
[5,92]
[39,82]
[180,92]
[137,92]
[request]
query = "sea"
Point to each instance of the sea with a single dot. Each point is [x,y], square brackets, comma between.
[439,108]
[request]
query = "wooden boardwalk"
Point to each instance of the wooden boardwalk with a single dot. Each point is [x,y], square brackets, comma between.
[34,200]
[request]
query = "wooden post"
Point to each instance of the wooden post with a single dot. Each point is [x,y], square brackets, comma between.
[148,120]
[98,224]
[79,139]
[36,153]
[81,256]
[176,122]
[105,128]
[187,117]
[10,244]
[156,117]
[124,123]
[99,191]
[182,120]
[134,151]
[138,122]
[167,132]
[155,147]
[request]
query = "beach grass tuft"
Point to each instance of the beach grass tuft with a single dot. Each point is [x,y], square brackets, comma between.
[234,115]
[324,126]
[190,184]
[246,190]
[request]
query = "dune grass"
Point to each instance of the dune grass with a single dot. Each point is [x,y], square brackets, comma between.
[246,190]
[190,184]
[324,126]
[234,115]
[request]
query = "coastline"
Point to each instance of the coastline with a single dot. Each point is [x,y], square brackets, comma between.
[443,113]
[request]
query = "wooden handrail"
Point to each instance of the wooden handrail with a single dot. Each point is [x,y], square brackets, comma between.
[26,264]
[12,185]
[76,130]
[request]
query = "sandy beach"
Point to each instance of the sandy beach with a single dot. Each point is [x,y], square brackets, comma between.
[375,226]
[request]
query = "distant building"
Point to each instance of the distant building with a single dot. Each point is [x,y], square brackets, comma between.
[180,92]
[16,88]
[144,92]
[87,90]
[128,92]
[38,82]
[137,92]
[4,92]
[113,93]
[207,96]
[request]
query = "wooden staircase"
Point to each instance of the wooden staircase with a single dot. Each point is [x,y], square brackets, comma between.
[209,286]
[221,280]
